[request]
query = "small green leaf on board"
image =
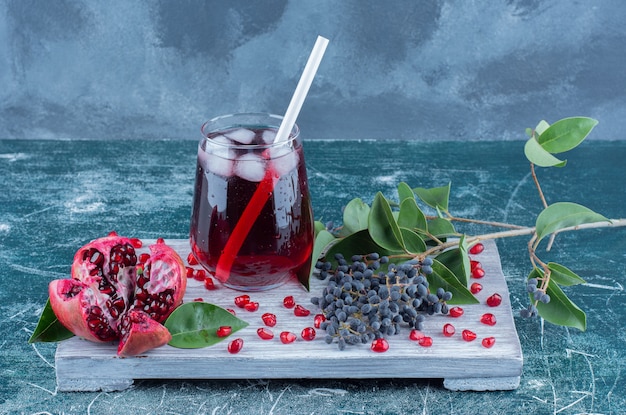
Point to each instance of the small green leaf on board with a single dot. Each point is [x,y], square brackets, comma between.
[194,325]
[382,225]
[49,328]
[457,261]
[443,277]
[563,215]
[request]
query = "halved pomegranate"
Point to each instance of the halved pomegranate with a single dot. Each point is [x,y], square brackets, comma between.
[109,289]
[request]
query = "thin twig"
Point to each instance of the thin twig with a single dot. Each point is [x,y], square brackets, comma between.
[481,222]
[543,199]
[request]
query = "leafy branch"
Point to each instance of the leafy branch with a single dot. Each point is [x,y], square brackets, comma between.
[400,229]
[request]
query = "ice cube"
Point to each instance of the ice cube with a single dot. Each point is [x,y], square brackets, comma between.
[217,159]
[268,136]
[284,159]
[218,165]
[251,167]
[220,148]
[241,135]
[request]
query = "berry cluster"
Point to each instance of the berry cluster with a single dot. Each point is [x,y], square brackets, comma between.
[538,294]
[362,305]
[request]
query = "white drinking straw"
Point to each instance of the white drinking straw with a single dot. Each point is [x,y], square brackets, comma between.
[302,89]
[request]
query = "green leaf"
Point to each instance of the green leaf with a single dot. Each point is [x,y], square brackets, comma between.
[355,217]
[441,228]
[322,241]
[457,260]
[437,197]
[563,215]
[382,226]
[319,226]
[411,216]
[566,134]
[443,277]
[359,243]
[193,325]
[560,310]
[540,157]
[405,192]
[412,241]
[541,127]
[563,276]
[49,328]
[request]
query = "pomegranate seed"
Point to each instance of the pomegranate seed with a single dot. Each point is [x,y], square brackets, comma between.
[265,334]
[468,335]
[488,342]
[380,345]
[191,259]
[448,330]
[475,264]
[190,272]
[224,331]
[416,335]
[287,337]
[308,334]
[242,300]
[235,346]
[289,302]
[477,249]
[425,341]
[209,284]
[199,275]
[478,273]
[136,243]
[269,319]
[494,300]
[456,312]
[231,311]
[160,241]
[251,306]
[198,300]
[300,311]
[475,288]
[144,257]
[318,320]
[488,319]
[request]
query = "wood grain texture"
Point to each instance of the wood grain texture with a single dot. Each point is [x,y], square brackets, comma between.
[463,365]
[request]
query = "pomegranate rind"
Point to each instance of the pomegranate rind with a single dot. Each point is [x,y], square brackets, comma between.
[145,334]
[167,270]
[70,310]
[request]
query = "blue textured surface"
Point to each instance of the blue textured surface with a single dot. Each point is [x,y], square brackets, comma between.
[418,70]
[56,195]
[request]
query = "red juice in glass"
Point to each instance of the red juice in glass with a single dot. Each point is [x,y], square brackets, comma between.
[251,222]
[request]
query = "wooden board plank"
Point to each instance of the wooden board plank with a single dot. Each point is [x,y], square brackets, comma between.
[463,365]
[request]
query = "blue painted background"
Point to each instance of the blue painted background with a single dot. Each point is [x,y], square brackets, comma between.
[427,70]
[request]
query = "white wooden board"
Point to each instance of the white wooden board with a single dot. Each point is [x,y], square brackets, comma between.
[463,365]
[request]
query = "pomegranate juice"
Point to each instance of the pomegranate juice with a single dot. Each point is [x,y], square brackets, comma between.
[232,165]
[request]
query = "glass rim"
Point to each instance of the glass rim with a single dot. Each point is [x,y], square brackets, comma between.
[205,130]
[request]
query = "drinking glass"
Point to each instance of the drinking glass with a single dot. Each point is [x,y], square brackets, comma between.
[251,222]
